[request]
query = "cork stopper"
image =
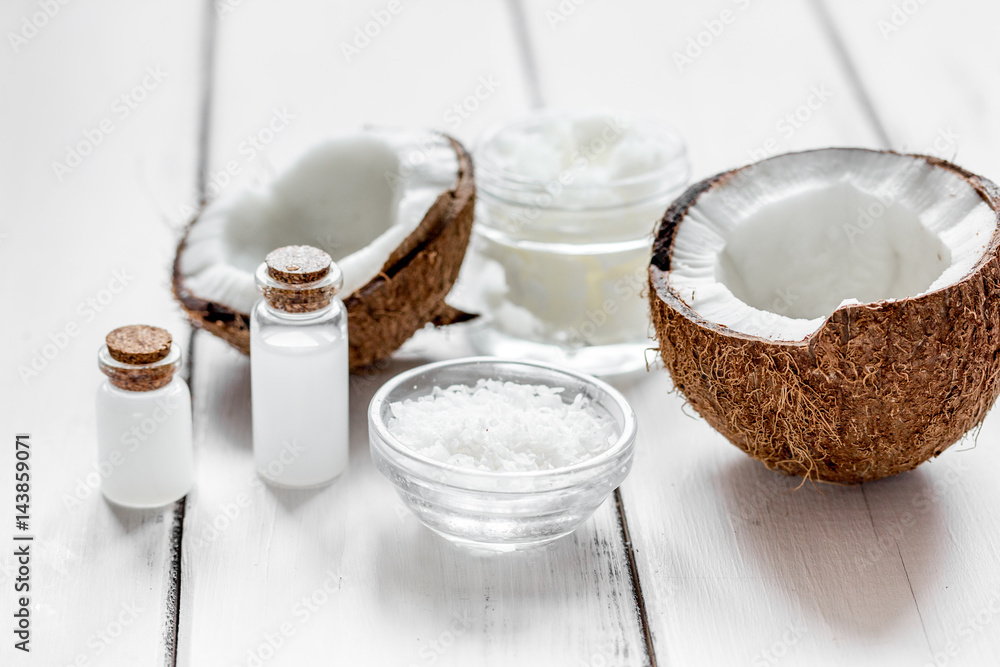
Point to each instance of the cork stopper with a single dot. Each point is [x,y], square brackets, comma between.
[139,358]
[297,264]
[138,344]
[299,279]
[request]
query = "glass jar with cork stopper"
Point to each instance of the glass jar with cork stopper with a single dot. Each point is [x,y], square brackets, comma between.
[299,369]
[144,439]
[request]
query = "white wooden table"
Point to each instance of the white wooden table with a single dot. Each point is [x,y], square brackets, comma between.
[706,558]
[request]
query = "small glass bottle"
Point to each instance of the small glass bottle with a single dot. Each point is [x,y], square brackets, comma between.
[144,439]
[299,369]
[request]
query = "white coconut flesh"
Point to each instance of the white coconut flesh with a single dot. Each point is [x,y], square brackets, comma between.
[356,197]
[774,250]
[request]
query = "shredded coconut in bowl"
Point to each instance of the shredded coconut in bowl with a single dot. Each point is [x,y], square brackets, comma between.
[502,427]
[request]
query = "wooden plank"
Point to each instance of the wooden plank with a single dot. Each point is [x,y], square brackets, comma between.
[735,567]
[414,71]
[346,571]
[926,68]
[729,94]
[291,577]
[740,565]
[923,67]
[85,250]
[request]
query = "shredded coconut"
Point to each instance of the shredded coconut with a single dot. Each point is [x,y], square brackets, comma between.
[502,426]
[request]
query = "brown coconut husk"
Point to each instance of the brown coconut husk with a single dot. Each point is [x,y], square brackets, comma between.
[877,390]
[408,293]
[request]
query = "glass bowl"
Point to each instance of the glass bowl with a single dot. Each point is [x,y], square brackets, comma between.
[500,511]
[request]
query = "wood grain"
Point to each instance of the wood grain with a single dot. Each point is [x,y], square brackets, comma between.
[928,88]
[346,571]
[928,71]
[735,564]
[88,251]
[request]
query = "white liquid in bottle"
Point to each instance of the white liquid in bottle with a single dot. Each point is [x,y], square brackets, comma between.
[144,444]
[300,395]
[144,437]
[299,370]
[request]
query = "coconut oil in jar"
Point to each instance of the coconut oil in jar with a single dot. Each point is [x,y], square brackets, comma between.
[299,369]
[144,437]
[567,206]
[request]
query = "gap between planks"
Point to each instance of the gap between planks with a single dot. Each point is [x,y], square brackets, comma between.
[526,49]
[865,100]
[825,20]
[209,38]
[529,64]
[633,569]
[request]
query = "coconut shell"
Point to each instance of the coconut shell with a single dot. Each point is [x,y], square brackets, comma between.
[408,293]
[877,390]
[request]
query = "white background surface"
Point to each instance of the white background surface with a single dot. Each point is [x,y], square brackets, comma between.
[734,567]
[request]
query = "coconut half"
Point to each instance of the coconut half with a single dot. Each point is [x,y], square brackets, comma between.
[393,209]
[834,313]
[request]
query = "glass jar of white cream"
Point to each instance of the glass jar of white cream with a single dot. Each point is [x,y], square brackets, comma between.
[567,205]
